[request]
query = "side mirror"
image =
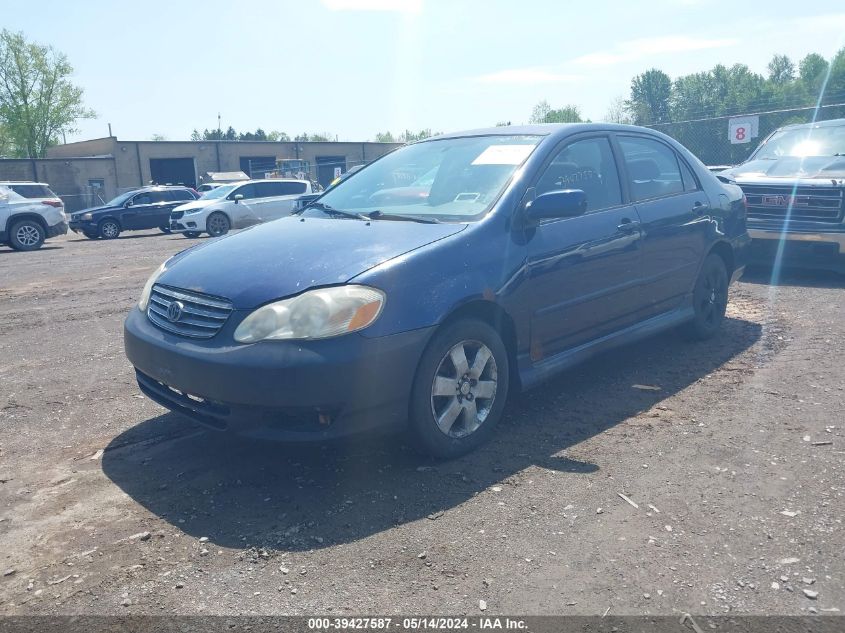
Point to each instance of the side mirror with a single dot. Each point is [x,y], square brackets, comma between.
[128,204]
[566,203]
[238,197]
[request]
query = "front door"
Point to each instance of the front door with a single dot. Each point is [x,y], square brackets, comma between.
[135,211]
[277,198]
[675,216]
[583,272]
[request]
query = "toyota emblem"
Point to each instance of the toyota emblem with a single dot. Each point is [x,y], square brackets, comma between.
[174,311]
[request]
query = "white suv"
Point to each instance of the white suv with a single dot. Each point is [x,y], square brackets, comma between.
[238,205]
[29,214]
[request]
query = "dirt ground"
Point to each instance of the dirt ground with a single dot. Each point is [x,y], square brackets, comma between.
[109,504]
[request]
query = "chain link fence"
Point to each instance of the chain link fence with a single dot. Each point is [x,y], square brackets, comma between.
[717,143]
[322,172]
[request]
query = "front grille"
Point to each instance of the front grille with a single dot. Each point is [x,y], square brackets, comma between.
[814,204]
[201,316]
[175,215]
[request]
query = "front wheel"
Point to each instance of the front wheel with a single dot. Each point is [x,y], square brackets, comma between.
[709,298]
[164,229]
[217,224]
[460,389]
[109,229]
[26,235]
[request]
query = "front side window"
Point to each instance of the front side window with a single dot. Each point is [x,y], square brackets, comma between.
[159,196]
[247,191]
[588,165]
[455,179]
[141,198]
[653,170]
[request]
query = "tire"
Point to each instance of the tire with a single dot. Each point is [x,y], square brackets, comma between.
[90,235]
[164,229]
[709,298]
[26,235]
[108,229]
[191,234]
[441,424]
[217,224]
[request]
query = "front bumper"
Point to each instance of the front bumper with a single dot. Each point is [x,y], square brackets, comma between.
[282,390]
[803,248]
[82,226]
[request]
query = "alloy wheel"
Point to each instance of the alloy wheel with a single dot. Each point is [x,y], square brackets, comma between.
[713,299]
[27,235]
[464,388]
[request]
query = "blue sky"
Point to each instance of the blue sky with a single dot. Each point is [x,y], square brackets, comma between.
[356,67]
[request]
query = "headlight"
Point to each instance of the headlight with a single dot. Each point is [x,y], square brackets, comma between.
[315,314]
[86,216]
[144,301]
[189,211]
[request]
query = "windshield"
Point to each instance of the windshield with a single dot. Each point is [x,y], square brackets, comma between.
[119,200]
[218,192]
[455,179]
[801,142]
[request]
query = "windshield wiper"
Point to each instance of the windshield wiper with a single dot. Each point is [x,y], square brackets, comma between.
[381,215]
[332,211]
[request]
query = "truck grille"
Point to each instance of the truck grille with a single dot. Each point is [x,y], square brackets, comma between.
[813,204]
[196,315]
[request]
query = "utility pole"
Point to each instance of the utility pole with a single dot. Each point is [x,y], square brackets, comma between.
[109,129]
[219,129]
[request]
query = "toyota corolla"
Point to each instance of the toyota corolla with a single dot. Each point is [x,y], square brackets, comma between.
[531,249]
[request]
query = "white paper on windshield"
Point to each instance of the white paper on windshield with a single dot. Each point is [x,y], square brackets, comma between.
[503,155]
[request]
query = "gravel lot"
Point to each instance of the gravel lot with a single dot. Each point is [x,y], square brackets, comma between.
[108,504]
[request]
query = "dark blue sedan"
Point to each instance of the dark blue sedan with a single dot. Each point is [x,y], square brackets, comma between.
[387,302]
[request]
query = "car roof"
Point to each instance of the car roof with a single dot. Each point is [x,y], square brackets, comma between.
[552,130]
[828,123]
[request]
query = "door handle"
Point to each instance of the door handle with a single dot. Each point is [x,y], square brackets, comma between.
[700,207]
[628,225]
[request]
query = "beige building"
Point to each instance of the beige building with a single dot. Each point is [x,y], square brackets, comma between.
[86,172]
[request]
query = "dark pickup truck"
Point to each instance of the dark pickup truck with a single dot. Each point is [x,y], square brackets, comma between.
[794,184]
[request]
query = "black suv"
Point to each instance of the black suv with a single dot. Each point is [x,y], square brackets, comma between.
[145,208]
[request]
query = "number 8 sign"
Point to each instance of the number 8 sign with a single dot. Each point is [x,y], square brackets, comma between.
[741,130]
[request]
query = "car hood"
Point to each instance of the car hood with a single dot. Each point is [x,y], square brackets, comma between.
[826,167]
[285,257]
[91,210]
[197,204]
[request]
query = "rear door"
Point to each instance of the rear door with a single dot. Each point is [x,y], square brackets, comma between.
[583,272]
[282,200]
[675,216]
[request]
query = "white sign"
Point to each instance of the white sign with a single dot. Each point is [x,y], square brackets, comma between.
[337,172]
[742,129]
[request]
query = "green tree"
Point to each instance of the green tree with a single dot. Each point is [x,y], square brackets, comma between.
[781,69]
[503,124]
[275,135]
[158,137]
[651,93]
[38,101]
[812,71]
[409,137]
[543,113]
[385,137]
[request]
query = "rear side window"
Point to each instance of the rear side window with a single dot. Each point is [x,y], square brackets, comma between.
[653,170]
[587,165]
[159,196]
[33,191]
[281,188]
[180,194]
[690,182]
